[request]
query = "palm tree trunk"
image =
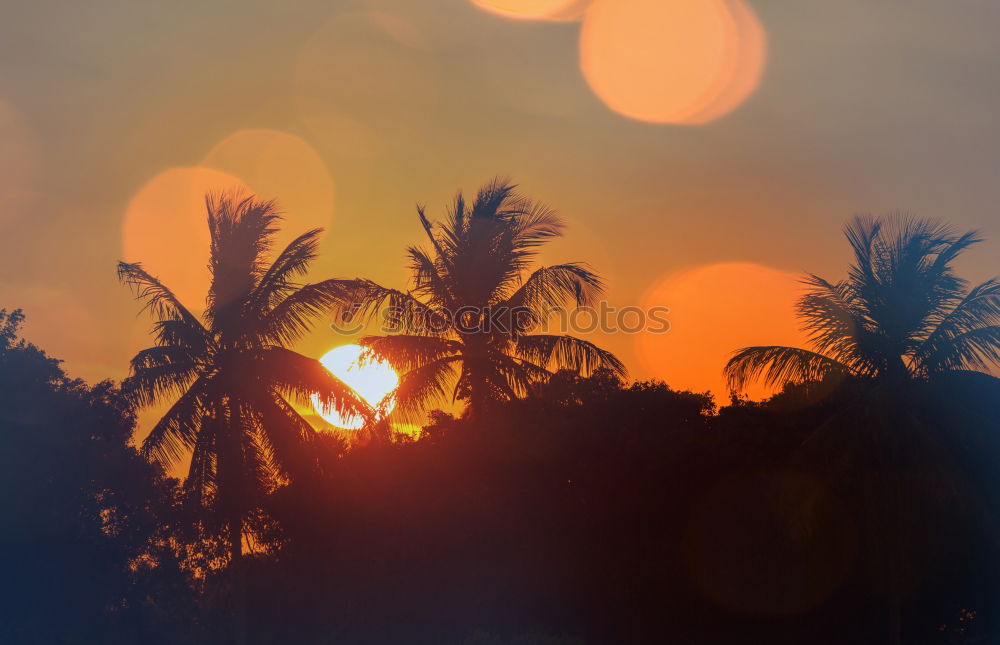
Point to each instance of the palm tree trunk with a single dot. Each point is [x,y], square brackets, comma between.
[476,401]
[894,546]
[237,572]
[478,384]
[231,493]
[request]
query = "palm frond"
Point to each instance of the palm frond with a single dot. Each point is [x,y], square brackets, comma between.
[186,335]
[241,229]
[288,434]
[975,349]
[493,200]
[258,468]
[177,431]
[201,482]
[400,311]
[778,365]
[830,318]
[566,351]
[861,233]
[292,317]
[279,279]
[424,386]
[548,288]
[979,308]
[406,352]
[155,296]
[158,373]
[535,224]
[516,376]
[428,280]
[302,378]
[429,230]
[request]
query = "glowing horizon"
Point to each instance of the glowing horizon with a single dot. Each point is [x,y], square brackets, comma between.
[348,114]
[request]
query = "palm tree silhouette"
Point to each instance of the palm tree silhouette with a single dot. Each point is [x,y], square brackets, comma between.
[232,375]
[894,331]
[902,313]
[465,324]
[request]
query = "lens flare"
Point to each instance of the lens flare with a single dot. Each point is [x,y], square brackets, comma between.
[672,61]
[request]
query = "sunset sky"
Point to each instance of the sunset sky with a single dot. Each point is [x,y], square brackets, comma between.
[116,116]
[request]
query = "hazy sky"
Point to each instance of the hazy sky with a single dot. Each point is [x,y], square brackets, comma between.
[350,112]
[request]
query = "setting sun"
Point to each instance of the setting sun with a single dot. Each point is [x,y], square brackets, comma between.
[373,380]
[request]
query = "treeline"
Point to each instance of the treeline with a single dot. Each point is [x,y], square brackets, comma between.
[587,512]
[563,505]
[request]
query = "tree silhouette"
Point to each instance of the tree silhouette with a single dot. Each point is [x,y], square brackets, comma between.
[82,507]
[901,328]
[232,375]
[902,313]
[466,323]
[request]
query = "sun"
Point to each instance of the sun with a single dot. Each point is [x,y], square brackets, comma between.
[373,381]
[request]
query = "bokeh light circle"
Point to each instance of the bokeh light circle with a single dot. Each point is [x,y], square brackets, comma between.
[534,9]
[746,57]
[714,310]
[671,61]
[281,166]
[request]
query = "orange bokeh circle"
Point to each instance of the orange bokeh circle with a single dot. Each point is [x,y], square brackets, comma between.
[714,310]
[534,9]
[672,61]
[281,166]
[747,55]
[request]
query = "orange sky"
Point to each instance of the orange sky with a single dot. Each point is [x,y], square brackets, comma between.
[699,169]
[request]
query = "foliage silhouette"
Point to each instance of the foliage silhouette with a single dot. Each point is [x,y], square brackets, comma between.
[581,510]
[81,512]
[586,512]
[476,267]
[901,313]
[901,328]
[232,375]
[623,514]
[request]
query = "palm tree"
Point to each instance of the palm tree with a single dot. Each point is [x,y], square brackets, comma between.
[464,326]
[902,313]
[231,374]
[892,332]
